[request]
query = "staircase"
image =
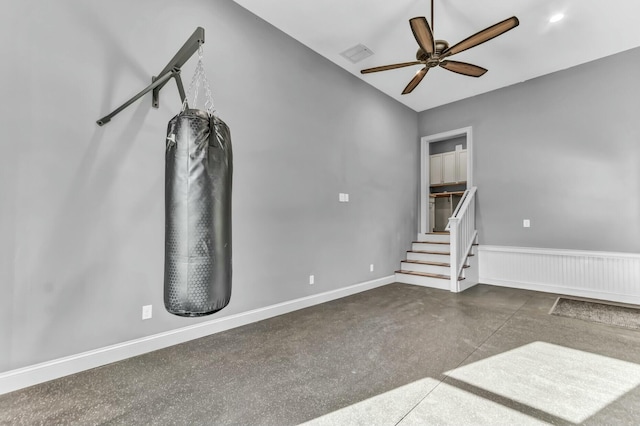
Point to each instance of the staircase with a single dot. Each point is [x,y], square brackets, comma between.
[445,260]
[428,264]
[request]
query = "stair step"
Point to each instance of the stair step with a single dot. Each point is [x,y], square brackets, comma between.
[446,253]
[440,257]
[432,237]
[429,246]
[422,262]
[432,242]
[425,268]
[424,274]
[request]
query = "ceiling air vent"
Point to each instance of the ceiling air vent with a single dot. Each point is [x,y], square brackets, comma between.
[357,53]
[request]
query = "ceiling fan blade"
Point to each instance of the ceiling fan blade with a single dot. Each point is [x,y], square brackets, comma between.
[390,67]
[422,33]
[463,68]
[415,80]
[482,36]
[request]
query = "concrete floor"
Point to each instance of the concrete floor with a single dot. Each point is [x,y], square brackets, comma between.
[398,354]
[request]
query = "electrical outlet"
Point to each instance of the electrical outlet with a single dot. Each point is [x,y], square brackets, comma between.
[147,312]
[526,223]
[312,279]
[371,268]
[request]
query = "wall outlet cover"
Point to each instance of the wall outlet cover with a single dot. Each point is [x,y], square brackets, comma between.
[147,312]
[526,223]
[312,279]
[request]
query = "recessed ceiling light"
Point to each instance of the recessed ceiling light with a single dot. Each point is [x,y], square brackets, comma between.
[557,17]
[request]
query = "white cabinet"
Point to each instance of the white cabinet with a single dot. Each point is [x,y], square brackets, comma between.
[449,171]
[435,169]
[448,167]
[461,165]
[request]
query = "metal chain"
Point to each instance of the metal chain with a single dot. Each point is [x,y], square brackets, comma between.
[200,76]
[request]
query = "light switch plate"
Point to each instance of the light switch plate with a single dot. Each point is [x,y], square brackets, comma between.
[526,223]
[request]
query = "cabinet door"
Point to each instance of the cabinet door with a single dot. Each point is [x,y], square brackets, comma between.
[461,166]
[449,167]
[435,169]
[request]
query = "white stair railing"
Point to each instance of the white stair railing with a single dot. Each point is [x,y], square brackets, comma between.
[462,230]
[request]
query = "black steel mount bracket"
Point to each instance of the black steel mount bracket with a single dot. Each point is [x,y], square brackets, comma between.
[171,70]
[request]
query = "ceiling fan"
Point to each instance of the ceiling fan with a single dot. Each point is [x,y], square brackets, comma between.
[434,53]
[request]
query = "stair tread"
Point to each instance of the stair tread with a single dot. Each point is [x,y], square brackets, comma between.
[425,274]
[432,242]
[429,252]
[437,233]
[423,262]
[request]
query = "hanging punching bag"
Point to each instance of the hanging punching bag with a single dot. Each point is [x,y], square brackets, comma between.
[198,180]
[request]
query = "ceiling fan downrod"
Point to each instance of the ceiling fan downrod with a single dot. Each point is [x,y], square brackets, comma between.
[433,28]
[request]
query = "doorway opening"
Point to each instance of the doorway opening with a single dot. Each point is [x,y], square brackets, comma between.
[445,172]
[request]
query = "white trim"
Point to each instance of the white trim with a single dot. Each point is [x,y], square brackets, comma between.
[609,276]
[464,285]
[559,252]
[38,373]
[470,274]
[457,286]
[424,168]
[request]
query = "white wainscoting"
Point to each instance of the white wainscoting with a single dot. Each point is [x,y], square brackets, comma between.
[598,275]
[34,374]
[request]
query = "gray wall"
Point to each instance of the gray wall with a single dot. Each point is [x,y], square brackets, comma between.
[447,145]
[562,150]
[82,219]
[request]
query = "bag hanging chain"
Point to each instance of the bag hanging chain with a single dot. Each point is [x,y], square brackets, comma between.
[200,77]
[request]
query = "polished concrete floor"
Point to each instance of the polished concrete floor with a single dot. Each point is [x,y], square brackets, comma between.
[398,354]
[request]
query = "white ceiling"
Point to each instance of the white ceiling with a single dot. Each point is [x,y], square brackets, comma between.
[590,30]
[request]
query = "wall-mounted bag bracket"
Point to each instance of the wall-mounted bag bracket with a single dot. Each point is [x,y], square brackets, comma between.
[171,70]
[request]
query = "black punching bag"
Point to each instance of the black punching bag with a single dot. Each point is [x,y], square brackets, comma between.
[198,177]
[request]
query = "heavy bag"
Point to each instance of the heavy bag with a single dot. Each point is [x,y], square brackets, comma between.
[198,178]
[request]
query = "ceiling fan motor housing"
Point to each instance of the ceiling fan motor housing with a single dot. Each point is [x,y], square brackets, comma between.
[423,56]
[440,46]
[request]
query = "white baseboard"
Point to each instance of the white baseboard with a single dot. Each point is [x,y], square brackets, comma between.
[38,373]
[598,275]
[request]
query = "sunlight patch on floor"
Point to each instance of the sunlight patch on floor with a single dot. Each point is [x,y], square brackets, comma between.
[567,383]
[385,409]
[448,405]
